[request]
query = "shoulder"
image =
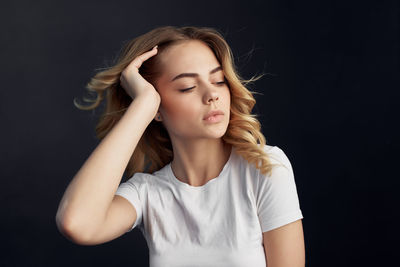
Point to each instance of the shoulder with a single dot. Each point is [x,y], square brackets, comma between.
[249,173]
[277,156]
[281,176]
[281,168]
[137,180]
[274,154]
[157,178]
[274,150]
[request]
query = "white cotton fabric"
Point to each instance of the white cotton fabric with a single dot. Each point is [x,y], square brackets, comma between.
[217,224]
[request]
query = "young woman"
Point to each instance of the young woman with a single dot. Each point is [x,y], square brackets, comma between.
[203,187]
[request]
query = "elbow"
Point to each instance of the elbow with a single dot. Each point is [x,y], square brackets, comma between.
[71,230]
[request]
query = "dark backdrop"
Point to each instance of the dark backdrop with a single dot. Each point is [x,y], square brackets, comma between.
[328,101]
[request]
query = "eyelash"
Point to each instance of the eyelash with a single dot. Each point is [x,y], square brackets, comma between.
[187,89]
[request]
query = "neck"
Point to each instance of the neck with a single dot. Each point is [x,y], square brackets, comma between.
[196,164]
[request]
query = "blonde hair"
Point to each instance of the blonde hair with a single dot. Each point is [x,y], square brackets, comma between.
[154,149]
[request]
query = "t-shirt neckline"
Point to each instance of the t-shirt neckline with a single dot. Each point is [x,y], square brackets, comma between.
[186,186]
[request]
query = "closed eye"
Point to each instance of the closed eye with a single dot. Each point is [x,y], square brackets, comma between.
[188,89]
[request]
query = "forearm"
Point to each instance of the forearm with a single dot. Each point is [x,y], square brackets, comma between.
[89,194]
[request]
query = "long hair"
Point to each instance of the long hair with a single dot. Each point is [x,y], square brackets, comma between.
[154,149]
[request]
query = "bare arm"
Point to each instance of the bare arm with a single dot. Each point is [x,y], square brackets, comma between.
[284,246]
[84,208]
[88,196]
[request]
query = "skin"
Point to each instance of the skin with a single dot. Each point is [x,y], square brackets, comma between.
[199,152]
[284,246]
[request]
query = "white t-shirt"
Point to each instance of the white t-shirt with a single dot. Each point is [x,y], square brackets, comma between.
[217,224]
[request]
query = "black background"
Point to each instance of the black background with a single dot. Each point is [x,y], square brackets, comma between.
[328,101]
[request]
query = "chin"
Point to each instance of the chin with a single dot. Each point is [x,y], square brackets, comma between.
[218,133]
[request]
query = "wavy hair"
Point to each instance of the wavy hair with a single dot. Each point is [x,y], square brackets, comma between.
[154,149]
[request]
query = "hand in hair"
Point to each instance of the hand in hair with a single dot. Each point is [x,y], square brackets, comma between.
[131,80]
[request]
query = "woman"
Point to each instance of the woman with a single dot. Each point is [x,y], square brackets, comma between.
[204,188]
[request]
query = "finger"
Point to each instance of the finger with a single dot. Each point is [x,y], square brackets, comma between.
[138,61]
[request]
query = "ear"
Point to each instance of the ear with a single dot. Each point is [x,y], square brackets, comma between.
[158,117]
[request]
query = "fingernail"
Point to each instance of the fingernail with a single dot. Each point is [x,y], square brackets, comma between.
[155,46]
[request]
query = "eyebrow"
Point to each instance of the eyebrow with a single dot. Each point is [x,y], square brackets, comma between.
[182,75]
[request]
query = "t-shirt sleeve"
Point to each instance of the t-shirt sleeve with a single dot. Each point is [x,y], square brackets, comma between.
[277,199]
[130,191]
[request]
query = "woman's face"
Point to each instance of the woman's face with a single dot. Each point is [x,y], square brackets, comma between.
[183,112]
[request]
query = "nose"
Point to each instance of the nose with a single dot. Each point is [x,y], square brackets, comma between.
[212,96]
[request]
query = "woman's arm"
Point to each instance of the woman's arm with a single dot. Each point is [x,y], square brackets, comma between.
[85,203]
[284,246]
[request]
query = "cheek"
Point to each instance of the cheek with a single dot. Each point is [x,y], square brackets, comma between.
[226,99]
[228,96]
[180,109]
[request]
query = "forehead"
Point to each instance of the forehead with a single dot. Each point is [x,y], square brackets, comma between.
[188,56]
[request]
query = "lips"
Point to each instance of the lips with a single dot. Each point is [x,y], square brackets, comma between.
[213,113]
